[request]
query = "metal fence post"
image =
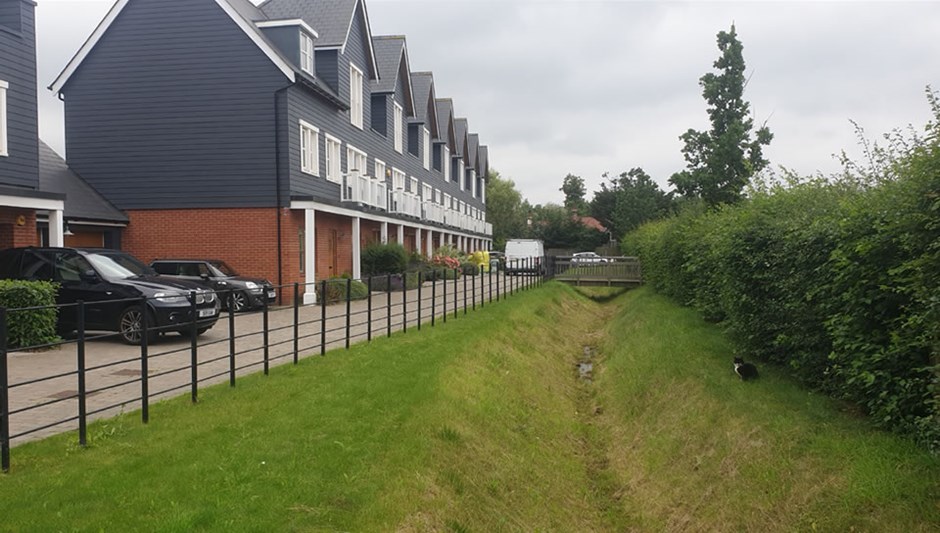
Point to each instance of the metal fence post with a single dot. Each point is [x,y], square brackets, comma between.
[348,308]
[193,350]
[4,395]
[296,320]
[497,283]
[264,326]
[404,302]
[456,298]
[323,317]
[482,286]
[444,286]
[420,282]
[464,293]
[82,407]
[473,290]
[369,310]
[231,338]
[491,283]
[433,299]
[388,303]
[144,363]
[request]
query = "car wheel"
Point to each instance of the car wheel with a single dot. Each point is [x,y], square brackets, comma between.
[239,302]
[129,325]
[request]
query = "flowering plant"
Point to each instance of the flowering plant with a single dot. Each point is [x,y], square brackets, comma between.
[449,262]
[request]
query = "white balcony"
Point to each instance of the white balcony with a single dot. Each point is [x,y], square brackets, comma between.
[404,203]
[433,212]
[362,189]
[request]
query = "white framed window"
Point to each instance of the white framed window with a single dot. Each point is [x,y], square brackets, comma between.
[398,127]
[414,185]
[461,174]
[355,96]
[398,179]
[437,196]
[462,208]
[447,201]
[4,148]
[356,160]
[306,53]
[334,171]
[309,149]
[445,162]
[427,149]
[380,169]
[426,192]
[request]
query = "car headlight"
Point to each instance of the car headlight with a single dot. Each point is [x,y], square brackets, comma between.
[170,297]
[251,285]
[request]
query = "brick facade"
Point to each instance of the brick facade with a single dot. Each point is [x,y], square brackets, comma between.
[16,231]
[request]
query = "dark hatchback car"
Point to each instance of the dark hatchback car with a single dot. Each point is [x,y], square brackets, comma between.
[247,293]
[111,283]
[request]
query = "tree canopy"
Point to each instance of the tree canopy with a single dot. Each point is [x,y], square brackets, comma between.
[721,161]
[505,209]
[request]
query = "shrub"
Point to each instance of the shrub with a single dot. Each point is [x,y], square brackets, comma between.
[336,290]
[391,258]
[34,327]
[398,282]
[469,269]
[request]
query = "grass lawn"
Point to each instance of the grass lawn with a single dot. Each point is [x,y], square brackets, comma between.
[482,424]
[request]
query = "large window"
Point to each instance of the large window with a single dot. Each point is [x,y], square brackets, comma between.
[414,185]
[427,149]
[355,96]
[426,192]
[398,179]
[306,53]
[356,160]
[309,149]
[334,171]
[380,169]
[3,118]
[398,128]
[445,162]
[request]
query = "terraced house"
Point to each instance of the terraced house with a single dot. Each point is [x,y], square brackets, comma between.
[281,137]
[22,202]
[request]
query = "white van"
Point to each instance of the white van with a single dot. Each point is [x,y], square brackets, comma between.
[524,255]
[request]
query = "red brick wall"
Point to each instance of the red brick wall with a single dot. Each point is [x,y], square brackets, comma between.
[334,245]
[13,234]
[246,238]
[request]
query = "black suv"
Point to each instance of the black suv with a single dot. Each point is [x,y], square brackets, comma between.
[247,293]
[111,283]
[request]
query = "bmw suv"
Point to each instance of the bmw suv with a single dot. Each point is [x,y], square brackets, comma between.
[246,293]
[111,283]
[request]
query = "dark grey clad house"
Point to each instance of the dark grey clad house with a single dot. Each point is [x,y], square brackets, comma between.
[281,138]
[22,202]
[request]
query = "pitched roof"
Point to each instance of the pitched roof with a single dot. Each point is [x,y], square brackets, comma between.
[473,142]
[423,85]
[82,202]
[445,119]
[332,19]
[391,54]
[461,127]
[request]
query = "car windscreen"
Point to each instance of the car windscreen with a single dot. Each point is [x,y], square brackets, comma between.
[118,266]
[222,269]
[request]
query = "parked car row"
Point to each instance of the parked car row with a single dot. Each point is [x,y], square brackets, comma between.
[112,284]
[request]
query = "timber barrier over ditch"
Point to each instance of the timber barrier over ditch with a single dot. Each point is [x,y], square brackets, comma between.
[57,387]
[597,271]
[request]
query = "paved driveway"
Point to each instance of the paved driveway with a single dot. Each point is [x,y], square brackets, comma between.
[43,391]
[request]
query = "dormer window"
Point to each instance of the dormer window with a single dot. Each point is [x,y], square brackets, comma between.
[398,128]
[306,53]
[355,96]
[3,118]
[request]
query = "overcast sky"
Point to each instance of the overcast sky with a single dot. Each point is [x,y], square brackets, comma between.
[557,87]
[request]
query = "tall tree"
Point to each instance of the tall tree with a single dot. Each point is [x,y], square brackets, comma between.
[631,199]
[573,187]
[505,209]
[721,161]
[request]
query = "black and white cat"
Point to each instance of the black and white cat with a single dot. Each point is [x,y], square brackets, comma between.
[745,370]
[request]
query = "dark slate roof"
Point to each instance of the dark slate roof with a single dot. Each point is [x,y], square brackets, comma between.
[247,10]
[460,126]
[331,18]
[422,83]
[388,55]
[473,142]
[82,202]
[445,117]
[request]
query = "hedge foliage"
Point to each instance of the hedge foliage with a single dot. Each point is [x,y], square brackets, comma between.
[33,327]
[336,290]
[391,258]
[839,279]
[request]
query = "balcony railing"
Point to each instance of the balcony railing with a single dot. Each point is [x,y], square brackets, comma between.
[362,189]
[404,203]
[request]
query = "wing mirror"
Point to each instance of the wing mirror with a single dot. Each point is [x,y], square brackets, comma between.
[89,276]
